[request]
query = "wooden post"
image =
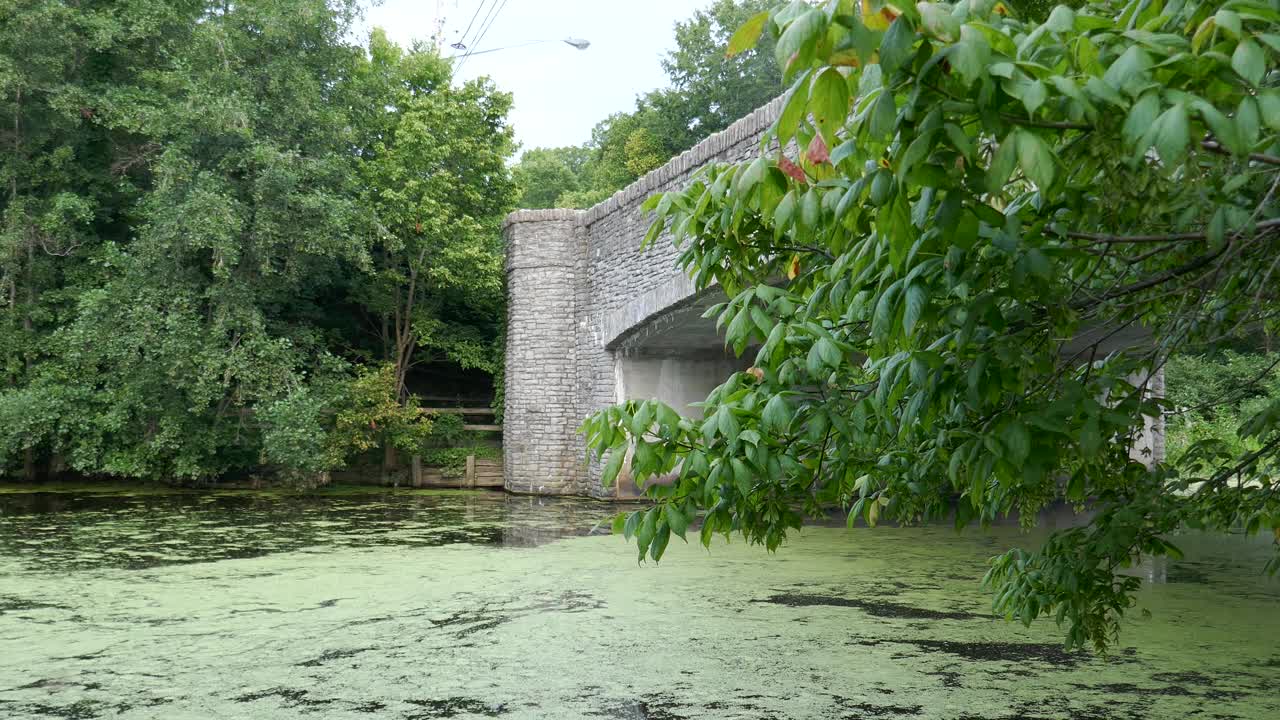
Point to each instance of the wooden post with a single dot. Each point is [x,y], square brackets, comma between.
[389,463]
[471,471]
[417,471]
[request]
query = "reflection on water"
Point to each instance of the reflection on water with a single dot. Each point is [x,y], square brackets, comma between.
[120,529]
[360,604]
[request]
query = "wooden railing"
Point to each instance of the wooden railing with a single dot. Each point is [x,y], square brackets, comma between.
[473,412]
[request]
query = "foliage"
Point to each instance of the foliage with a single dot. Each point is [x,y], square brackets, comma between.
[499,403]
[448,429]
[992,231]
[453,460]
[372,414]
[545,175]
[1211,396]
[432,157]
[189,268]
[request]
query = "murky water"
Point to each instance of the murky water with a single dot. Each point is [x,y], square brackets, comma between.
[414,605]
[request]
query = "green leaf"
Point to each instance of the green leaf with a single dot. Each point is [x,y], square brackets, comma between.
[728,424]
[1061,20]
[1228,20]
[777,414]
[611,468]
[886,308]
[648,527]
[745,37]
[830,354]
[632,525]
[708,530]
[676,520]
[1249,62]
[960,140]
[793,111]
[1016,440]
[1223,129]
[1033,96]
[884,116]
[661,537]
[970,56]
[896,46]
[1090,438]
[810,209]
[762,320]
[1172,134]
[829,103]
[798,39]
[1247,122]
[1128,69]
[843,151]
[1141,116]
[1102,91]
[740,328]
[1036,159]
[916,151]
[1269,104]
[916,299]
[1002,164]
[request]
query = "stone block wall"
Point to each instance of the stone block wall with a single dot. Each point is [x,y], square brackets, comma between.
[577,281]
[540,454]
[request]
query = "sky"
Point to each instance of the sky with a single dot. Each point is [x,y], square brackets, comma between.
[560,93]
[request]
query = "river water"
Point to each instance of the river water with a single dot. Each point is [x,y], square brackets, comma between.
[120,603]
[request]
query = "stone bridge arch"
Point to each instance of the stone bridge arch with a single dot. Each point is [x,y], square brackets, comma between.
[593,319]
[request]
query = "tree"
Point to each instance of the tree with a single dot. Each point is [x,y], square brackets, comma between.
[187,237]
[712,89]
[545,175]
[936,286]
[433,159]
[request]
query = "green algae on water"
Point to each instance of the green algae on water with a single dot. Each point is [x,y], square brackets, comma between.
[473,605]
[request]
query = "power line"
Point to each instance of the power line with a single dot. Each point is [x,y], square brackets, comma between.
[474,15]
[471,45]
[485,26]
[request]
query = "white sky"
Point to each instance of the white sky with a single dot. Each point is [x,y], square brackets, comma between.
[560,93]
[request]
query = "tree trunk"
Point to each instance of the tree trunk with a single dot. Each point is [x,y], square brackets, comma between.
[29,455]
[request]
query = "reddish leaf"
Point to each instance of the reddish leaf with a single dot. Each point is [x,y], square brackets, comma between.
[818,152]
[791,169]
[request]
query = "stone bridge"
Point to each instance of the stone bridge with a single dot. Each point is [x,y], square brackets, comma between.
[594,320]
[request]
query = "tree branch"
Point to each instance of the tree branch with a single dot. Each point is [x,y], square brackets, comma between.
[1215,146]
[1105,239]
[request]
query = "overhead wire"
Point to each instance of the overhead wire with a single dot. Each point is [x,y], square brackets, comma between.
[485,26]
[462,40]
[471,44]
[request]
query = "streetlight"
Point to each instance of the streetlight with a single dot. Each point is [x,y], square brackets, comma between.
[575,43]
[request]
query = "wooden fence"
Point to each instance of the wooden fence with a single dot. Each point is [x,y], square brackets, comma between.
[478,473]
